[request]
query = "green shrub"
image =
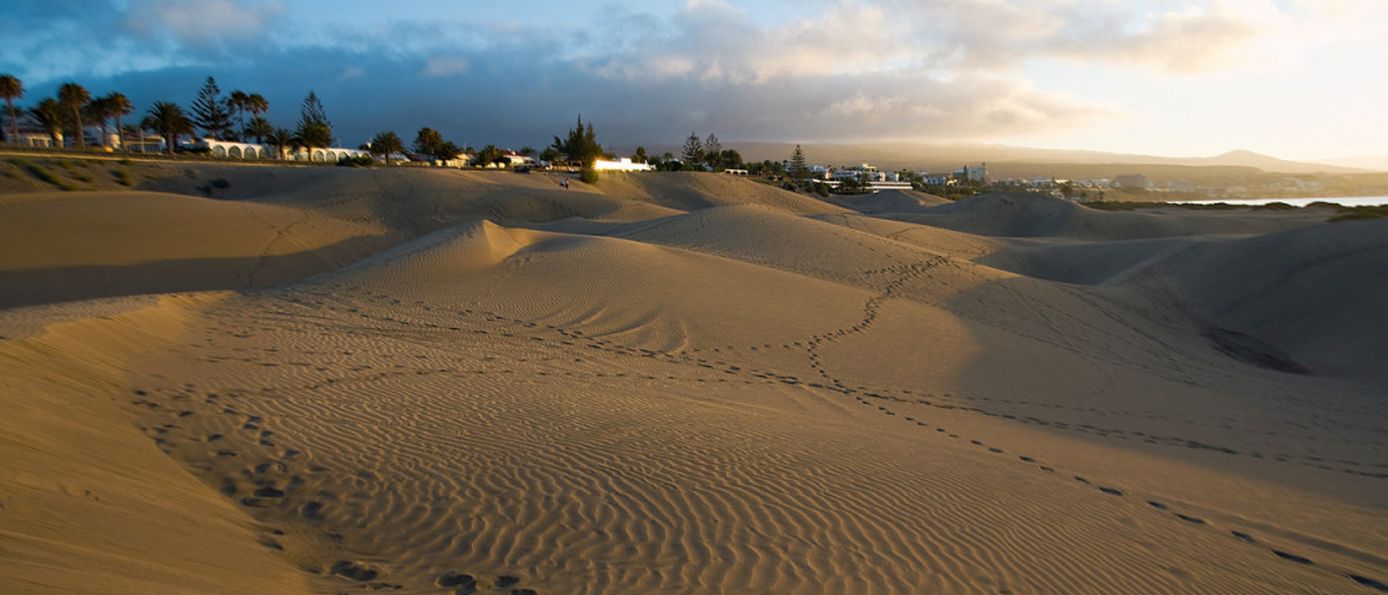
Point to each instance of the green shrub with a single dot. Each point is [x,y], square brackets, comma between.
[123,177]
[220,183]
[588,175]
[358,161]
[42,173]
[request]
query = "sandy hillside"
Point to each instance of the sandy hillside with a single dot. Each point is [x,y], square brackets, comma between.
[681,383]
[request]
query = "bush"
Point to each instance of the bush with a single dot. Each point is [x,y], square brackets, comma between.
[358,161]
[220,183]
[38,171]
[588,175]
[123,177]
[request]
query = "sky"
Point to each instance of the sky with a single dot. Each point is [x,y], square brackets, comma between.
[1301,79]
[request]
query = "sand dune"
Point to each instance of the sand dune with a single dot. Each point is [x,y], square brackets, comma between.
[694,383]
[1025,215]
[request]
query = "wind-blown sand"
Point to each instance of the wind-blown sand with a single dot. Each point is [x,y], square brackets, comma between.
[361,380]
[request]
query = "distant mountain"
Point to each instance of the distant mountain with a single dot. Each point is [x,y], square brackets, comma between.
[932,157]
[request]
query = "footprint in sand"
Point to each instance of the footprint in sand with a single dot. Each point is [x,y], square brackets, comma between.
[1368,582]
[1292,557]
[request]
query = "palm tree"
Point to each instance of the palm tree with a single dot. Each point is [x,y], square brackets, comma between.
[238,102]
[260,128]
[170,121]
[118,105]
[11,89]
[48,115]
[99,111]
[256,105]
[74,98]
[387,143]
[281,139]
[313,135]
[128,131]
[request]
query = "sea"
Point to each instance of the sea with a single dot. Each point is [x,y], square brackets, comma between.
[1349,201]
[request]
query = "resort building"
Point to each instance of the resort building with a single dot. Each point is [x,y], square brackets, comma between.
[623,164]
[237,150]
[972,174]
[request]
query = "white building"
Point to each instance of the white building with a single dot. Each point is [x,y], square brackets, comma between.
[862,173]
[624,164]
[937,179]
[972,173]
[235,150]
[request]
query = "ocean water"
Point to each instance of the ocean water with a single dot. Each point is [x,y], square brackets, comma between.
[1349,201]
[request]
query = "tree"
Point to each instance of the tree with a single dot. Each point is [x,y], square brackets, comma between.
[99,111]
[117,107]
[693,151]
[730,158]
[640,156]
[387,144]
[311,111]
[282,139]
[209,112]
[489,155]
[313,135]
[169,121]
[449,150]
[257,104]
[128,131]
[713,152]
[48,115]
[580,145]
[550,155]
[240,103]
[259,128]
[237,105]
[74,99]
[11,88]
[315,131]
[798,170]
[428,141]
[528,151]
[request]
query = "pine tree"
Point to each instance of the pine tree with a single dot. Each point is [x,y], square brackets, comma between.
[693,153]
[311,112]
[713,152]
[210,112]
[315,131]
[798,169]
[580,145]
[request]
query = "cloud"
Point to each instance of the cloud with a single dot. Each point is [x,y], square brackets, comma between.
[834,69]
[206,24]
[446,66]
